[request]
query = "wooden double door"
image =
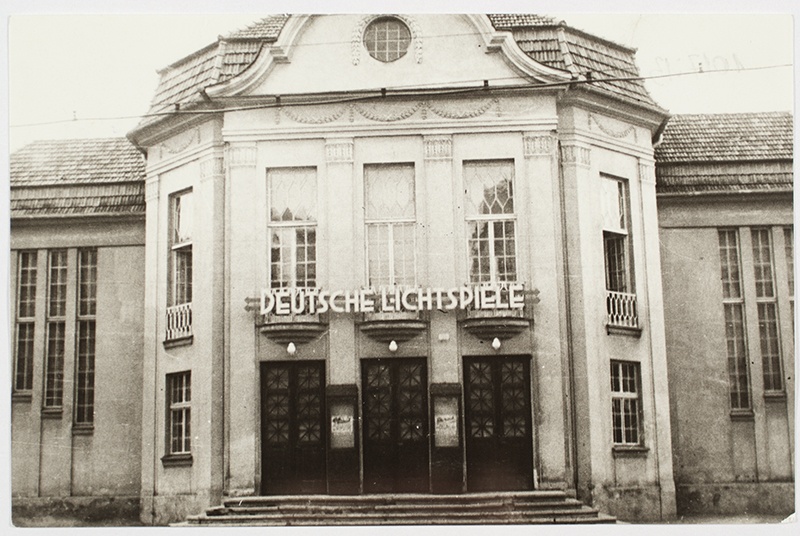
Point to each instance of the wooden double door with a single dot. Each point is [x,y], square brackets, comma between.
[499,446]
[293,430]
[395,416]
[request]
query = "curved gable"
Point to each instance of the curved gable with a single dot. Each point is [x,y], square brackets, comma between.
[321,54]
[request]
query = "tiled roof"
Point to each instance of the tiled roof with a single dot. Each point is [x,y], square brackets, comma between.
[707,153]
[80,177]
[726,137]
[543,38]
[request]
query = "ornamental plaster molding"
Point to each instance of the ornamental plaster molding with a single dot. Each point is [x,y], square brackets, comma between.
[647,173]
[241,156]
[388,111]
[314,115]
[438,147]
[538,144]
[339,151]
[576,155]
[211,168]
[180,143]
[456,109]
[618,131]
[151,188]
[357,41]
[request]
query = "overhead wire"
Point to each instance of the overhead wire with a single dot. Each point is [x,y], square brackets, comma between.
[373,93]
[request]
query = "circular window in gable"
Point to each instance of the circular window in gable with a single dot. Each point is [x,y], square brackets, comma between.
[387,39]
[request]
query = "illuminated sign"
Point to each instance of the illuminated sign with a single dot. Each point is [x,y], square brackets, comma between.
[298,301]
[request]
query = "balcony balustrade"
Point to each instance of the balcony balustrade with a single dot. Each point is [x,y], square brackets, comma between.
[179,322]
[622,310]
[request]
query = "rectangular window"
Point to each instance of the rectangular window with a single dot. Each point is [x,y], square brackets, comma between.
[85,355]
[733,305]
[26,312]
[292,227]
[179,292]
[788,241]
[390,218]
[179,414]
[621,304]
[625,403]
[491,222]
[181,223]
[767,309]
[56,328]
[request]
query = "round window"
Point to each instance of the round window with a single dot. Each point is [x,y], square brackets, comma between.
[387,39]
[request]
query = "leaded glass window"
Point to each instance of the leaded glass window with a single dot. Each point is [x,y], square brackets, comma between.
[491,222]
[391,220]
[293,227]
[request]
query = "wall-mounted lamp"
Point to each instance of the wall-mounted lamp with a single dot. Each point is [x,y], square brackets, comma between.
[496,344]
[291,349]
[393,346]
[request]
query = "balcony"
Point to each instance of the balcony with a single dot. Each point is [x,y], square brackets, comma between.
[179,325]
[622,313]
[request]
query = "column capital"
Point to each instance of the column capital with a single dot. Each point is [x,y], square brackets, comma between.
[438,147]
[241,155]
[211,168]
[538,143]
[647,172]
[339,151]
[575,154]
[151,188]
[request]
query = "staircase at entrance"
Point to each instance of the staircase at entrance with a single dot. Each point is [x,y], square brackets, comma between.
[497,508]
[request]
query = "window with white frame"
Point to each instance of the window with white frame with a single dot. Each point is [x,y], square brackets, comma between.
[621,304]
[626,403]
[733,305]
[390,219]
[85,355]
[179,413]
[491,222]
[26,313]
[767,305]
[181,223]
[56,329]
[292,227]
[788,246]
[387,39]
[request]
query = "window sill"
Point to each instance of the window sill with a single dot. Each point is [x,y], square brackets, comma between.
[630,451]
[51,413]
[181,341]
[22,396]
[623,330]
[774,396]
[82,429]
[741,415]
[177,460]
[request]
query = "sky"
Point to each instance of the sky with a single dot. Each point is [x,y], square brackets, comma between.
[92,75]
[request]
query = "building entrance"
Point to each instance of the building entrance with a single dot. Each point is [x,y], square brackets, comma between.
[498,423]
[395,409]
[293,431]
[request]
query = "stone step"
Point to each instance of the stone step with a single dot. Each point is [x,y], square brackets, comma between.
[568,504]
[482,517]
[532,507]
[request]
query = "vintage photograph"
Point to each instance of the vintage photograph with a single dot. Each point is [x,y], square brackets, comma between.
[400,268]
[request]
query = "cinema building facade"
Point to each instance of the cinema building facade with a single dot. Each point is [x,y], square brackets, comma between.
[386,254]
